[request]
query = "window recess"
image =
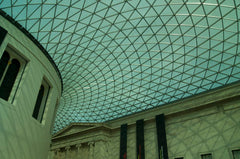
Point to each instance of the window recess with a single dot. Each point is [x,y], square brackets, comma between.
[41,101]
[206,156]
[12,67]
[236,154]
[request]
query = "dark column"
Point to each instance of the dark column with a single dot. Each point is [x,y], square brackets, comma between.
[123,142]
[161,135]
[140,139]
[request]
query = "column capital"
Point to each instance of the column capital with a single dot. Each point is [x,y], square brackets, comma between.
[56,150]
[78,145]
[67,148]
[91,143]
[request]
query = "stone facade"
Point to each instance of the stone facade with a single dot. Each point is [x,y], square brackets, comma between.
[206,123]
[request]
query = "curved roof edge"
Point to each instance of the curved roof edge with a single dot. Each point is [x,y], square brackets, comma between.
[223,88]
[35,41]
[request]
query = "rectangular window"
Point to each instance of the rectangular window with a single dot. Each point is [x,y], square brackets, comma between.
[206,156]
[236,154]
[12,67]
[40,104]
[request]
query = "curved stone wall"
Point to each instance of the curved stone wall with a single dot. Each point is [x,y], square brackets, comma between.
[22,135]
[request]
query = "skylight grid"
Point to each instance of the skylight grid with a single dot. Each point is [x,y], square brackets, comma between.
[122,57]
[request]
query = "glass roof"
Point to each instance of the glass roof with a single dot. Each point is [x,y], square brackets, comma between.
[121,57]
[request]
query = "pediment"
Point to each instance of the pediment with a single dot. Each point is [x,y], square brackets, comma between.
[74,128]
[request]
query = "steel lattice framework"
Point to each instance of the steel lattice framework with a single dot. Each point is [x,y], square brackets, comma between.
[118,57]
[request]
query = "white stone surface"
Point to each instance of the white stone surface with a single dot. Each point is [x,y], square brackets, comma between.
[208,123]
[21,136]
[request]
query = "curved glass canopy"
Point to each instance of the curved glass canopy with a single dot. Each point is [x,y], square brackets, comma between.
[118,57]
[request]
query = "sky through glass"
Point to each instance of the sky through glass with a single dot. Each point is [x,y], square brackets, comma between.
[121,57]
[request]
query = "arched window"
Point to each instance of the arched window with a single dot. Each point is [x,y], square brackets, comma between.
[9,76]
[40,104]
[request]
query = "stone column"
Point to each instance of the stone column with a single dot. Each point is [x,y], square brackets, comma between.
[57,153]
[67,153]
[100,149]
[78,154]
[91,150]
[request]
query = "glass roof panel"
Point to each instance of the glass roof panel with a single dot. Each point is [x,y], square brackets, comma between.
[122,57]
